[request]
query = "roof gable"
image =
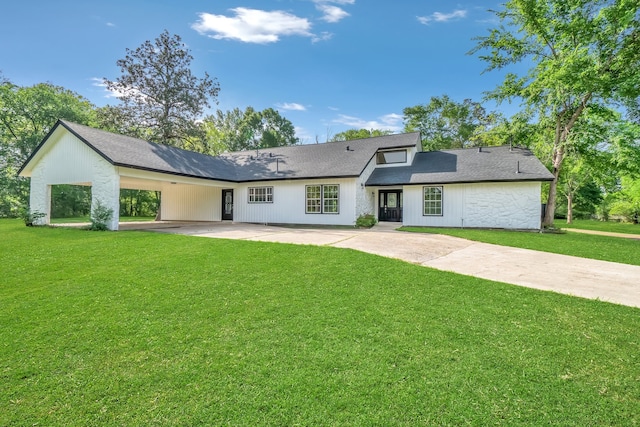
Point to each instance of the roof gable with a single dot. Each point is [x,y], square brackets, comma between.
[488,164]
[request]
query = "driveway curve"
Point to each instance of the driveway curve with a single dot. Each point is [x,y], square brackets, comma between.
[588,278]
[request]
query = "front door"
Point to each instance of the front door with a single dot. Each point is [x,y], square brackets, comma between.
[390,205]
[227,205]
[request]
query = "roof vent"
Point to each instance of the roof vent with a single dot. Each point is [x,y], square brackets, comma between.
[518,166]
[348,148]
[480,149]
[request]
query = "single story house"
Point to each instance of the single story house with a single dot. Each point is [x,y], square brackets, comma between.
[329,184]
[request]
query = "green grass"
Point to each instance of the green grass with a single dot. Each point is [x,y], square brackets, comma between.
[77,220]
[604,248]
[138,328]
[610,226]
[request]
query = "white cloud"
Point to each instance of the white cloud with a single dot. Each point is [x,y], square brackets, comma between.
[291,106]
[110,24]
[443,17]
[390,122]
[252,25]
[323,36]
[331,13]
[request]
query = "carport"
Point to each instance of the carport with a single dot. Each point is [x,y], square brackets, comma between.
[79,155]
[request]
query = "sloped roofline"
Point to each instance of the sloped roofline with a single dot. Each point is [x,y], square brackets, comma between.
[50,133]
[113,162]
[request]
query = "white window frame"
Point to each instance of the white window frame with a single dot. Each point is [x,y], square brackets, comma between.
[321,203]
[432,206]
[260,194]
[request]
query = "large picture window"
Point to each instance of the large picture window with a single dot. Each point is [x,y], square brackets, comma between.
[322,199]
[432,201]
[260,194]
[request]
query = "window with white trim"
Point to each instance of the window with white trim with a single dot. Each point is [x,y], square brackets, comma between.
[432,201]
[260,194]
[322,199]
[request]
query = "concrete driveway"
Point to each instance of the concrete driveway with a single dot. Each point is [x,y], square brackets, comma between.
[606,281]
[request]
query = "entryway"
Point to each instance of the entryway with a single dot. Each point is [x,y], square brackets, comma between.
[390,205]
[227,205]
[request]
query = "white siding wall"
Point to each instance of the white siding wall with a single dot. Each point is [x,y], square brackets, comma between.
[182,202]
[69,161]
[482,205]
[288,205]
[365,197]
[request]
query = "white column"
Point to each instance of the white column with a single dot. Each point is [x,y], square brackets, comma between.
[40,198]
[105,190]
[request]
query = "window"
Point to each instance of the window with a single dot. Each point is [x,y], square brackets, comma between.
[260,194]
[396,156]
[322,199]
[432,200]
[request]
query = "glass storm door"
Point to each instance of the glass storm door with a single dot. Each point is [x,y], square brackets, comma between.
[390,206]
[227,204]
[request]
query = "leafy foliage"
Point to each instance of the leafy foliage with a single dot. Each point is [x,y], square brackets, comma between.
[26,116]
[238,130]
[352,134]
[31,218]
[159,91]
[100,217]
[584,56]
[366,221]
[444,123]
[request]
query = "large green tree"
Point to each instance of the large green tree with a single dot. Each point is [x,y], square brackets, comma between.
[445,123]
[26,116]
[582,56]
[159,92]
[238,130]
[352,134]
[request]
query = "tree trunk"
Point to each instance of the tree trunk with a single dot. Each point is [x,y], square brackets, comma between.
[570,207]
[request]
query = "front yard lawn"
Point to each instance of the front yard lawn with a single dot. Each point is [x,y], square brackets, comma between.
[139,328]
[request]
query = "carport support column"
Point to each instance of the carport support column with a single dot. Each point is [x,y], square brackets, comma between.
[40,197]
[106,191]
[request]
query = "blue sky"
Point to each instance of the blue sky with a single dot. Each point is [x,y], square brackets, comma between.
[326,65]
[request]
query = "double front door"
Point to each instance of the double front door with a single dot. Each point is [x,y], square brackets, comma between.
[390,205]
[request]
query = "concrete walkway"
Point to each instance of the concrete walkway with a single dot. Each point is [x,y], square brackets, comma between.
[607,281]
[603,233]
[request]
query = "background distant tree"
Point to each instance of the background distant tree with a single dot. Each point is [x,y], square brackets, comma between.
[444,123]
[352,134]
[160,93]
[584,56]
[238,130]
[26,116]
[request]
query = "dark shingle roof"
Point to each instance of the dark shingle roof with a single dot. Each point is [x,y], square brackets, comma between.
[465,165]
[294,162]
[329,160]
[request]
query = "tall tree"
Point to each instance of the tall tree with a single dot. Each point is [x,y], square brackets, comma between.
[160,93]
[26,116]
[238,130]
[445,123]
[352,134]
[583,56]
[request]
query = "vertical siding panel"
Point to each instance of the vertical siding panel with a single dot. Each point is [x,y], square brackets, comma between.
[190,203]
[481,205]
[288,205]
